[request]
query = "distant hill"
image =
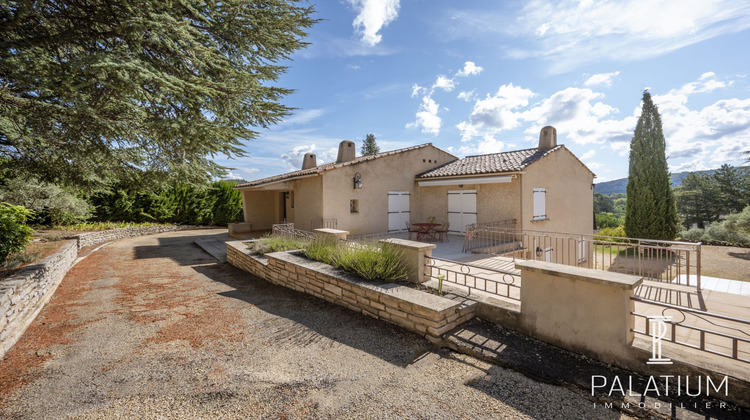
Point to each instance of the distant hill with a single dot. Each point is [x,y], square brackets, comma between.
[618,185]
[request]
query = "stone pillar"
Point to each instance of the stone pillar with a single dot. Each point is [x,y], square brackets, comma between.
[335,233]
[413,256]
[583,310]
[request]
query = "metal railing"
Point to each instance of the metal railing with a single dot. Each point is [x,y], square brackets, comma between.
[369,237]
[499,224]
[733,337]
[664,261]
[324,224]
[287,229]
[498,282]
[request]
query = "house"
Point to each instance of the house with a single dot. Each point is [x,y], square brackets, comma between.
[544,188]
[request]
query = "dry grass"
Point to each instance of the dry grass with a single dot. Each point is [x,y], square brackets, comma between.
[726,262]
[36,251]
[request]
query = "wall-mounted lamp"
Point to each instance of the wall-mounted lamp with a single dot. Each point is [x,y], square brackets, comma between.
[357,181]
[539,252]
[286,195]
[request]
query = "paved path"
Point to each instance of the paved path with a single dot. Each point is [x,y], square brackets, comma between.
[154,327]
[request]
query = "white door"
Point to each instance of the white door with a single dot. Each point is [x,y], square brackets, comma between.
[462,210]
[398,210]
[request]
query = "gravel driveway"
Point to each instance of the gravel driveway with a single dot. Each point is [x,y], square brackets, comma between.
[153,327]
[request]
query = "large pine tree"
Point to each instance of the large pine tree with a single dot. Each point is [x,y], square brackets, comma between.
[96,91]
[650,212]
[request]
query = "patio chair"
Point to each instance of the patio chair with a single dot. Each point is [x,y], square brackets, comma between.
[443,232]
[410,229]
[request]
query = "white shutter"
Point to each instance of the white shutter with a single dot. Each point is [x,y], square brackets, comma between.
[398,210]
[540,210]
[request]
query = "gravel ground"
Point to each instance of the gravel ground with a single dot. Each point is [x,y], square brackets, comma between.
[725,262]
[153,327]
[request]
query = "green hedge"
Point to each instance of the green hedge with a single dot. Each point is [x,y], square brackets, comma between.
[14,234]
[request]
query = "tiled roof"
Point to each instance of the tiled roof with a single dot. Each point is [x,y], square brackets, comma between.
[326,167]
[513,161]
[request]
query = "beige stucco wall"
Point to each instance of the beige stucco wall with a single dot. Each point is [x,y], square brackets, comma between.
[308,202]
[570,195]
[261,208]
[494,201]
[587,311]
[388,173]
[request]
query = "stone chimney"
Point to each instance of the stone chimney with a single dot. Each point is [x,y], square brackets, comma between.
[347,151]
[547,138]
[309,161]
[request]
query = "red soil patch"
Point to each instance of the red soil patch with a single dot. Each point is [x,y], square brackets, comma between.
[52,327]
[189,315]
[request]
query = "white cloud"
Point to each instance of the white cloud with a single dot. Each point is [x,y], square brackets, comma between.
[470,69]
[373,16]
[601,79]
[496,113]
[466,96]
[249,171]
[417,90]
[444,83]
[304,116]
[588,155]
[293,158]
[569,33]
[427,117]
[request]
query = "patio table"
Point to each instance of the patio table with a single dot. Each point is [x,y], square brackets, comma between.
[426,230]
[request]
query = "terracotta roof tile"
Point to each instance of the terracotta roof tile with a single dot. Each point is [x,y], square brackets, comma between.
[326,167]
[512,161]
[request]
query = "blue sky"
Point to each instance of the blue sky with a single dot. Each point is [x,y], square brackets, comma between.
[475,77]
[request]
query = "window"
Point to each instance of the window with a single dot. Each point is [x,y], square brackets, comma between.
[353,206]
[540,209]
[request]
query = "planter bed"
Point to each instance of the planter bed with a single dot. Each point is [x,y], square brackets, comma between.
[424,313]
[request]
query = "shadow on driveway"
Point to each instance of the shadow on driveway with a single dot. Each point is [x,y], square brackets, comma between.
[313,320]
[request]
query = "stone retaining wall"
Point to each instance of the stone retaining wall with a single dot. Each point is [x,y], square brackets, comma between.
[23,295]
[426,314]
[95,238]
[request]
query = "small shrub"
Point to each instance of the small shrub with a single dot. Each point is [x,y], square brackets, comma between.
[96,226]
[270,244]
[739,222]
[617,232]
[608,220]
[718,234]
[372,261]
[14,234]
[693,235]
[52,204]
[325,250]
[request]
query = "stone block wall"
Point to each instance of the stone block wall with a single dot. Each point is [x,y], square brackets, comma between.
[23,295]
[426,314]
[95,238]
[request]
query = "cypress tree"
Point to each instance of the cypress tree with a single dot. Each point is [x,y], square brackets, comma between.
[650,212]
[369,147]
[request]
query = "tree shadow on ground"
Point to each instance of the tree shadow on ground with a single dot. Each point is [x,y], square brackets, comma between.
[315,321]
[741,255]
[311,320]
[543,362]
